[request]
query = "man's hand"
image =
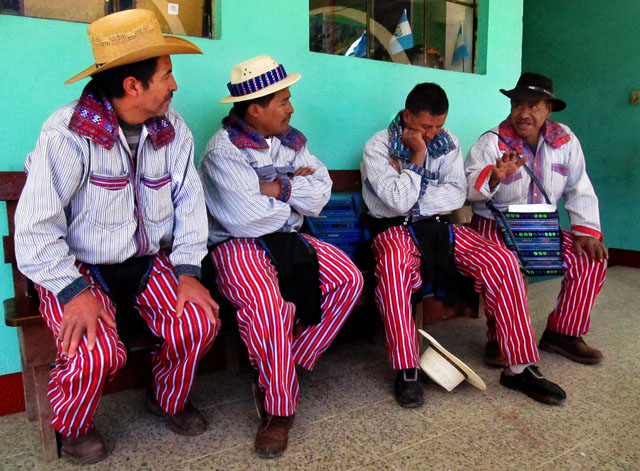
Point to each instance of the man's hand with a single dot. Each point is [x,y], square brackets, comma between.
[81,315]
[303,172]
[414,141]
[272,189]
[594,248]
[190,289]
[396,165]
[506,166]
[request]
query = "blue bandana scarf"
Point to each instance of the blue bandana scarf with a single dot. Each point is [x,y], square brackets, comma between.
[440,145]
[243,135]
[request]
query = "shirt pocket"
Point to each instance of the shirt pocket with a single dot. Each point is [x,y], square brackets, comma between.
[512,178]
[559,174]
[156,201]
[109,200]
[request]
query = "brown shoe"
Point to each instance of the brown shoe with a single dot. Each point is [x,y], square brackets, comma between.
[189,422]
[493,356]
[87,449]
[272,436]
[573,348]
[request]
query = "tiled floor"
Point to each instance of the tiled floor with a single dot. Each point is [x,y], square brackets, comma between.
[348,419]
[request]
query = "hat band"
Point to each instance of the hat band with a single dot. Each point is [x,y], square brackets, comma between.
[257,83]
[540,89]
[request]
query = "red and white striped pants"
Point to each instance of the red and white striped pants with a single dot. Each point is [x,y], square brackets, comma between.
[247,278]
[496,275]
[76,383]
[583,280]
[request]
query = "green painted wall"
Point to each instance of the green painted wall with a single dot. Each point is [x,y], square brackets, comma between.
[588,47]
[340,102]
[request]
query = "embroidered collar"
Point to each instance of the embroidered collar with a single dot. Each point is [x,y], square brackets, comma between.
[243,135]
[440,145]
[95,119]
[552,132]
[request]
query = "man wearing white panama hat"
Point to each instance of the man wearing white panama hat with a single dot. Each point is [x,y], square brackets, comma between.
[292,291]
[112,216]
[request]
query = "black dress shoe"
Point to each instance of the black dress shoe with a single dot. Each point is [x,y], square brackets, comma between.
[533,384]
[574,348]
[407,388]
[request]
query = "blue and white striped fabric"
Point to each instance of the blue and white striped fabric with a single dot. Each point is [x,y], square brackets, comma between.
[437,188]
[79,200]
[402,37]
[561,171]
[231,178]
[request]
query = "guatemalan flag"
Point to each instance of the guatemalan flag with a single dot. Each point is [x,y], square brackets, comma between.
[359,47]
[461,50]
[402,38]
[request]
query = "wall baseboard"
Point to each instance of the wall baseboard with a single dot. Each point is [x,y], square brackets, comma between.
[11,394]
[624,258]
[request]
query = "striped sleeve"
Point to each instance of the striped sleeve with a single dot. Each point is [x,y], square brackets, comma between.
[581,201]
[309,194]
[398,191]
[480,162]
[190,222]
[55,171]
[232,194]
[449,191]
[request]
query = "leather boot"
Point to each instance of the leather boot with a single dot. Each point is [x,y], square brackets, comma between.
[493,356]
[574,348]
[273,436]
[86,449]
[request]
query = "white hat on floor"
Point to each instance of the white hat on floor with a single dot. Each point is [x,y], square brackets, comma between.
[444,368]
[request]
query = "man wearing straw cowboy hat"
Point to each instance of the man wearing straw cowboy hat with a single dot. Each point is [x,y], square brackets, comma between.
[293,292]
[553,153]
[413,177]
[113,214]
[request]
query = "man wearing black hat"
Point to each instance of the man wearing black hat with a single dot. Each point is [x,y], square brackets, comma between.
[554,155]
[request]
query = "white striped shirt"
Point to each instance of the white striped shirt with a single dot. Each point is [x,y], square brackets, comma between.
[562,174]
[231,178]
[437,188]
[79,200]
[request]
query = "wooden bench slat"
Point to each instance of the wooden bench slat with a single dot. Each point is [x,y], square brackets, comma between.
[19,312]
[11,184]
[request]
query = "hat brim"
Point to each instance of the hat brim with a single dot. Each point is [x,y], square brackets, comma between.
[289,80]
[468,373]
[171,45]
[558,105]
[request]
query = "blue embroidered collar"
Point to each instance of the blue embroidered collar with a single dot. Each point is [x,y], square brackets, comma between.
[243,135]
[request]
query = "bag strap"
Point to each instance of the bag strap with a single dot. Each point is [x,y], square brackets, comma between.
[525,166]
[508,233]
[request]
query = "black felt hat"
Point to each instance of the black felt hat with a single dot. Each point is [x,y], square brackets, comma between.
[535,86]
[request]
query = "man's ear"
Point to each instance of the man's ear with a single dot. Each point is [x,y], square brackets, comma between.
[405,115]
[254,110]
[131,86]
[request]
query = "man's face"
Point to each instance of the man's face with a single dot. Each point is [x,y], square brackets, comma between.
[424,122]
[274,119]
[154,101]
[527,117]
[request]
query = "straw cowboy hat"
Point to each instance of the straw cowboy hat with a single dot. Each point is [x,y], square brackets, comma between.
[535,86]
[444,368]
[130,36]
[257,77]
